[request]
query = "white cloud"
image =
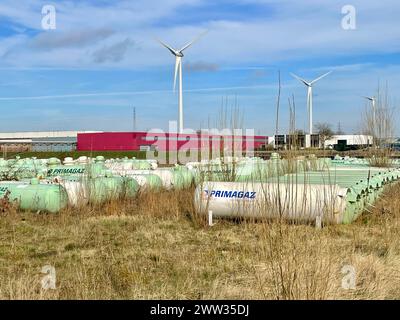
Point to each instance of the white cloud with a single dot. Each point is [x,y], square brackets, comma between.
[293,31]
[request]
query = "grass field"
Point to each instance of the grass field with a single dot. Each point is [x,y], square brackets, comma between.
[155,247]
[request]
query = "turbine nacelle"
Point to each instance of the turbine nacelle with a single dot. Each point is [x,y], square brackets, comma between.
[179,53]
[372,99]
[306,83]
[310,83]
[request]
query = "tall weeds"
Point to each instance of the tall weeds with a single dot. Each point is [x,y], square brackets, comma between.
[378,121]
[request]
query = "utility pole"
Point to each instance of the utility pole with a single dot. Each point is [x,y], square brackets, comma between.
[339,129]
[134,118]
[278,101]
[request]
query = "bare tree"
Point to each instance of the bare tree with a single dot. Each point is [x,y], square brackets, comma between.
[378,121]
[378,118]
[325,132]
[294,134]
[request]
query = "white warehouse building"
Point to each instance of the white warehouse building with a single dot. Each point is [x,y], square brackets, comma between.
[39,141]
[338,142]
[349,140]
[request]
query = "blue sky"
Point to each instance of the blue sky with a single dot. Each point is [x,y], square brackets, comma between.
[103,59]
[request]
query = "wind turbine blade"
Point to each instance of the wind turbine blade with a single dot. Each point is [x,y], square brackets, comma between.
[193,41]
[172,50]
[300,79]
[177,65]
[319,78]
[368,98]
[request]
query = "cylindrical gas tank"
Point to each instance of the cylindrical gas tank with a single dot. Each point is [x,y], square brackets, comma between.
[141,165]
[68,161]
[30,172]
[145,178]
[271,200]
[130,186]
[53,162]
[166,176]
[82,190]
[83,160]
[4,169]
[148,181]
[75,188]
[170,177]
[34,196]
[101,189]
[77,192]
[183,177]
[153,164]
[126,164]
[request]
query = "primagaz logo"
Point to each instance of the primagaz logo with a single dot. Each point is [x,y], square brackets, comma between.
[230,194]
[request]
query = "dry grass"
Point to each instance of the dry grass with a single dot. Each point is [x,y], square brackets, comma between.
[380,158]
[154,247]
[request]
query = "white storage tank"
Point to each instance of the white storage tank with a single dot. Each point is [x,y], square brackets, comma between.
[295,202]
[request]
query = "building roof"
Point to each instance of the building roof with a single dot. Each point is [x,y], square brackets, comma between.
[44,134]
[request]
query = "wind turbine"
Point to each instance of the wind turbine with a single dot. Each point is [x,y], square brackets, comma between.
[178,69]
[373,103]
[309,85]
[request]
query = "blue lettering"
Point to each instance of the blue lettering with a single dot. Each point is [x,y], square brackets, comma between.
[227,194]
[231,194]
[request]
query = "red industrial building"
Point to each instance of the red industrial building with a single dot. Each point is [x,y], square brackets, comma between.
[135,141]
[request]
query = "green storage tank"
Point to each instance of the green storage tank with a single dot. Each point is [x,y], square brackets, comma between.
[102,189]
[182,177]
[4,169]
[148,181]
[34,196]
[98,189]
